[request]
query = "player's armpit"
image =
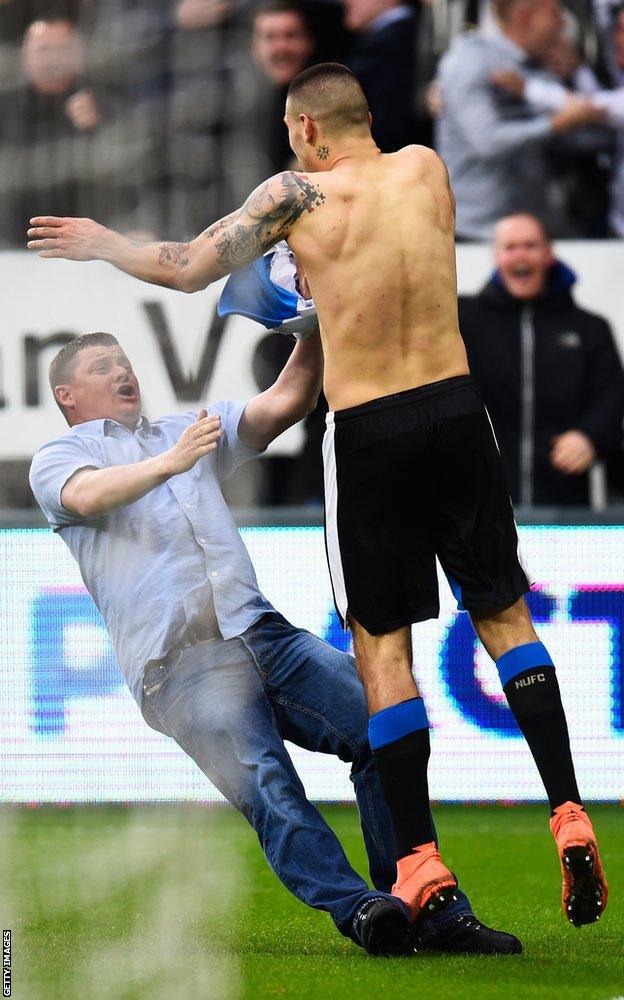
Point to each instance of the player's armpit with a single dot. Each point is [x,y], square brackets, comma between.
[267,216]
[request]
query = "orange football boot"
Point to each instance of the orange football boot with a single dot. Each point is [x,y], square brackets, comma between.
[423,883]
[584,896]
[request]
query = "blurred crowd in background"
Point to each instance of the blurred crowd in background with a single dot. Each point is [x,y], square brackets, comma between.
[158,116]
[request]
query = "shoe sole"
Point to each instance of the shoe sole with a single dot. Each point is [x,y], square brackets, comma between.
[584,904]
[388,935]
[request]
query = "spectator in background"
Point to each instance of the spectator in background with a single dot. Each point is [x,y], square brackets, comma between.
[382,57]
[198,124]
[547,96]
[56,144]
[282,47]
[495,144]
[549,371]
[47,122]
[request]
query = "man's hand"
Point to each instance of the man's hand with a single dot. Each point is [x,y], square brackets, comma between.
[196,441]
[73,239]
[83,111]
[572,453]
[577,112]
[510,81]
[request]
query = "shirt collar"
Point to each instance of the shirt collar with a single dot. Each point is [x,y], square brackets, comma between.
[399,13]
[106,426]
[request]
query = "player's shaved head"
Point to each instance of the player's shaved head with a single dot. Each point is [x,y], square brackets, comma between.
[332,96]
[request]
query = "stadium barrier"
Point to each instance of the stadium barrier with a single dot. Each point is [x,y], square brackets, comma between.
[71,731]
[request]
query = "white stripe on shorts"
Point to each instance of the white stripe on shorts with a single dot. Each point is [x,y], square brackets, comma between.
[331,519]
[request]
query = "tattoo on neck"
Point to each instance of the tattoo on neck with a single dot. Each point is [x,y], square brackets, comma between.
[265,219]
[173,253]
[322,152]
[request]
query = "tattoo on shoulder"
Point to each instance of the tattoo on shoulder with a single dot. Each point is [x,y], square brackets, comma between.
[267,217]
[173,253]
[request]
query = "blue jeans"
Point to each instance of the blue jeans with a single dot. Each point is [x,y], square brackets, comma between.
[231,704]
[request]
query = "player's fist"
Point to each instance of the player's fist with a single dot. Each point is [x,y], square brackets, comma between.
[73,239]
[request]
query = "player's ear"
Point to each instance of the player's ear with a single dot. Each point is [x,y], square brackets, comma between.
[308,128]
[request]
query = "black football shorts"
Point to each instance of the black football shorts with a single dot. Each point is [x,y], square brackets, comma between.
[409,477]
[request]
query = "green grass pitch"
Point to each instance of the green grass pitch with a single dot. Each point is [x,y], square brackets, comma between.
[177,902]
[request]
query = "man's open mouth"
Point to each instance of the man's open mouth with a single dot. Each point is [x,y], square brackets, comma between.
[127,391]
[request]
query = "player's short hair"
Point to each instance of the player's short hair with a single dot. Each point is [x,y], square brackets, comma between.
[281,7]
[330,93]
[64,361]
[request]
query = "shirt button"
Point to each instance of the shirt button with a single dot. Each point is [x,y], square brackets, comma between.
[201,540]
[214,573]
[188,506]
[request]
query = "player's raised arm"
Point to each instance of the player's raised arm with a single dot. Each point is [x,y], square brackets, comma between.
[266,217]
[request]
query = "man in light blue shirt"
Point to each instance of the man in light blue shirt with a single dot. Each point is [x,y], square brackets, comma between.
[208,659]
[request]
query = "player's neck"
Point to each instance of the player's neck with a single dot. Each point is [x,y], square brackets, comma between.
[354,151]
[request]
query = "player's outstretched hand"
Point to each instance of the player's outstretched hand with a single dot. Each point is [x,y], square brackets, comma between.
[73,239]
[196,441]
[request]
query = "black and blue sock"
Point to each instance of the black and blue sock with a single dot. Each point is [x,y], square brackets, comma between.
[399,738]
[530,684]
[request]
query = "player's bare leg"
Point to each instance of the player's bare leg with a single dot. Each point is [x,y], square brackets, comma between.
[399,737]
[530,684]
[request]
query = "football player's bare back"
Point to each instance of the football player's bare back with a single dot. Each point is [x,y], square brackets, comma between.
[379,255]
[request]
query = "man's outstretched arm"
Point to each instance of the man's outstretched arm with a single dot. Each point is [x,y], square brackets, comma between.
[267,216]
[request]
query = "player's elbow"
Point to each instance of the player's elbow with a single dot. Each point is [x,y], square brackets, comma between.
[188,282]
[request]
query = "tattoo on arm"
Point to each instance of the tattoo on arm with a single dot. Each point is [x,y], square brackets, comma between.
[173,253]
[268,215]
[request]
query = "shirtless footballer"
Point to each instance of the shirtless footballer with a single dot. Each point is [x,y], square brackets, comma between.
[412,468]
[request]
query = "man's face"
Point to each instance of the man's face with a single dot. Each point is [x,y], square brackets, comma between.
[102,384]
[523,257]
[358,14]
[52,56]
[544,26]
[282,45]
[618,39]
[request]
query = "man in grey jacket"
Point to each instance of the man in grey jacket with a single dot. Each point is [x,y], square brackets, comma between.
[494,144]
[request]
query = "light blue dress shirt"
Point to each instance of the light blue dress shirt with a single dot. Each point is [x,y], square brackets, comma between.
[168,561]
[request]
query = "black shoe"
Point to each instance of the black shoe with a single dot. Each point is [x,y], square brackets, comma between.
[381,928]
[468,936]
